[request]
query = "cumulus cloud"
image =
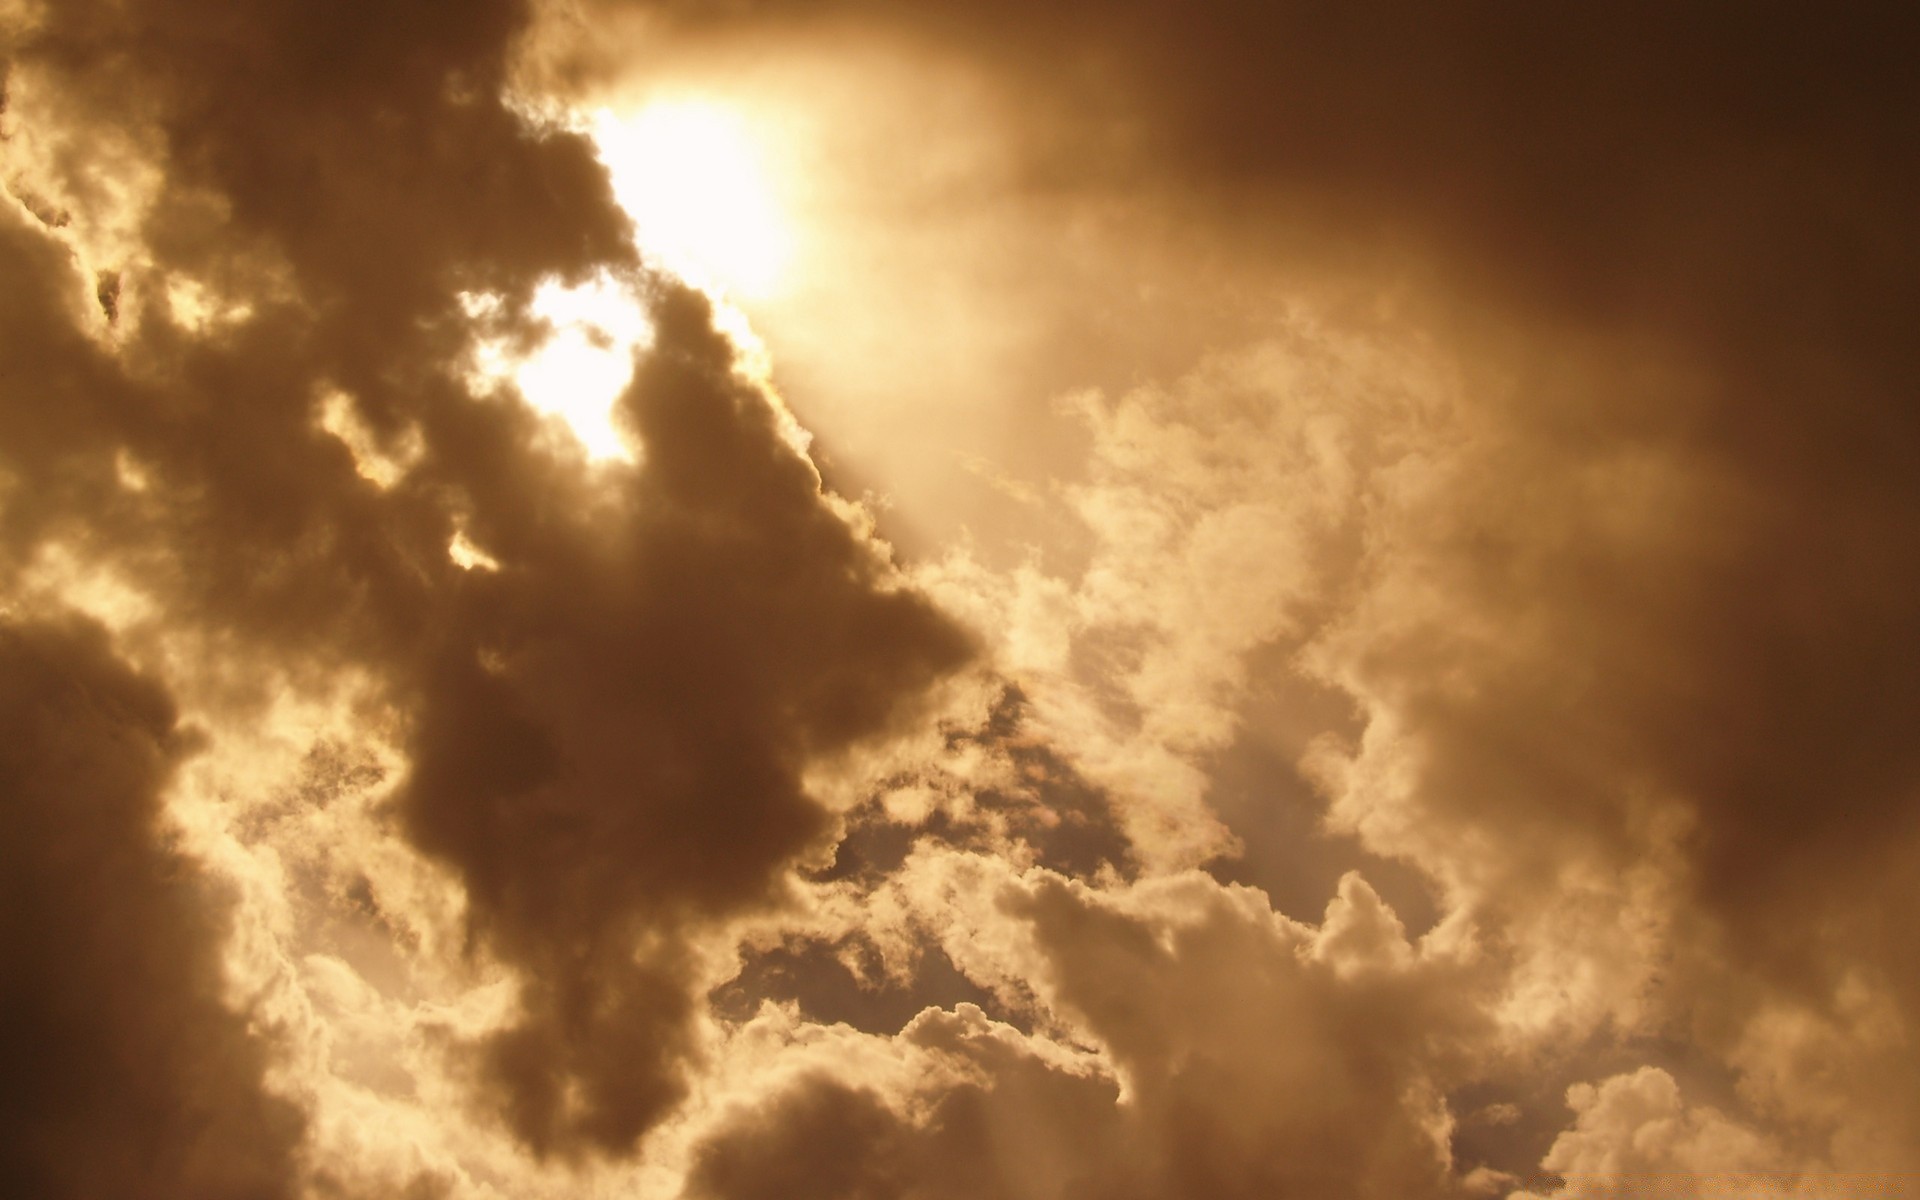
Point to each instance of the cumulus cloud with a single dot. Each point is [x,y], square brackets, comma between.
[1634,1135]
[604,735]
[1187,1038]
[127,1071]
[1535,530]
[1219,510]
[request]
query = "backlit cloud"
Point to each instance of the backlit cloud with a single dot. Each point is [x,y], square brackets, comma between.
[836,600]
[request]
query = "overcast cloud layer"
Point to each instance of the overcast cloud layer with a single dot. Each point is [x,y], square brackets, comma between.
[1416,703]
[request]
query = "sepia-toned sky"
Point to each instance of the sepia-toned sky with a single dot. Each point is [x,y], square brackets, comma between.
[834,600]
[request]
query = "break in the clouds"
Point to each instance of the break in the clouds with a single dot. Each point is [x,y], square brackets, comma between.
[1395,678]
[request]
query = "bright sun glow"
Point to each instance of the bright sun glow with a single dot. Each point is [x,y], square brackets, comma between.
[690,175]
[580,370]
[693,178]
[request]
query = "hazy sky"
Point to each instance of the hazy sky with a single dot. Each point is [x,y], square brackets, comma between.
[834,600]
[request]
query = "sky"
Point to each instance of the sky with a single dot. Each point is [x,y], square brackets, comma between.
[837,600]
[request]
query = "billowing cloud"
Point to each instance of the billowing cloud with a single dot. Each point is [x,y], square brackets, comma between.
[1451,469]
[614,745]
[1187,1039]
[606,727]
[126,1070]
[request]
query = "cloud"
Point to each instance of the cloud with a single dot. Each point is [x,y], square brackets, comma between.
[1634,1135]
[127,1072]
[1222,1049]
[631,763]
[1622,627]
[605,737]
[1587,604]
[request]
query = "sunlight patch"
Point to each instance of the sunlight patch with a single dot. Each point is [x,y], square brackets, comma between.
[578,372]
[382,466]
[468,556]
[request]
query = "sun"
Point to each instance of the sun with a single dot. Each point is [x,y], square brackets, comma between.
[693,176]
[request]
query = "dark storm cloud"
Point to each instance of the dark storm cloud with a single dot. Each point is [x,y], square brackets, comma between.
[1688,528]
[1680,228]
[1662,565]
[666,672]
[608,733]
[1691,530]
[125,1072]
[1661,568]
